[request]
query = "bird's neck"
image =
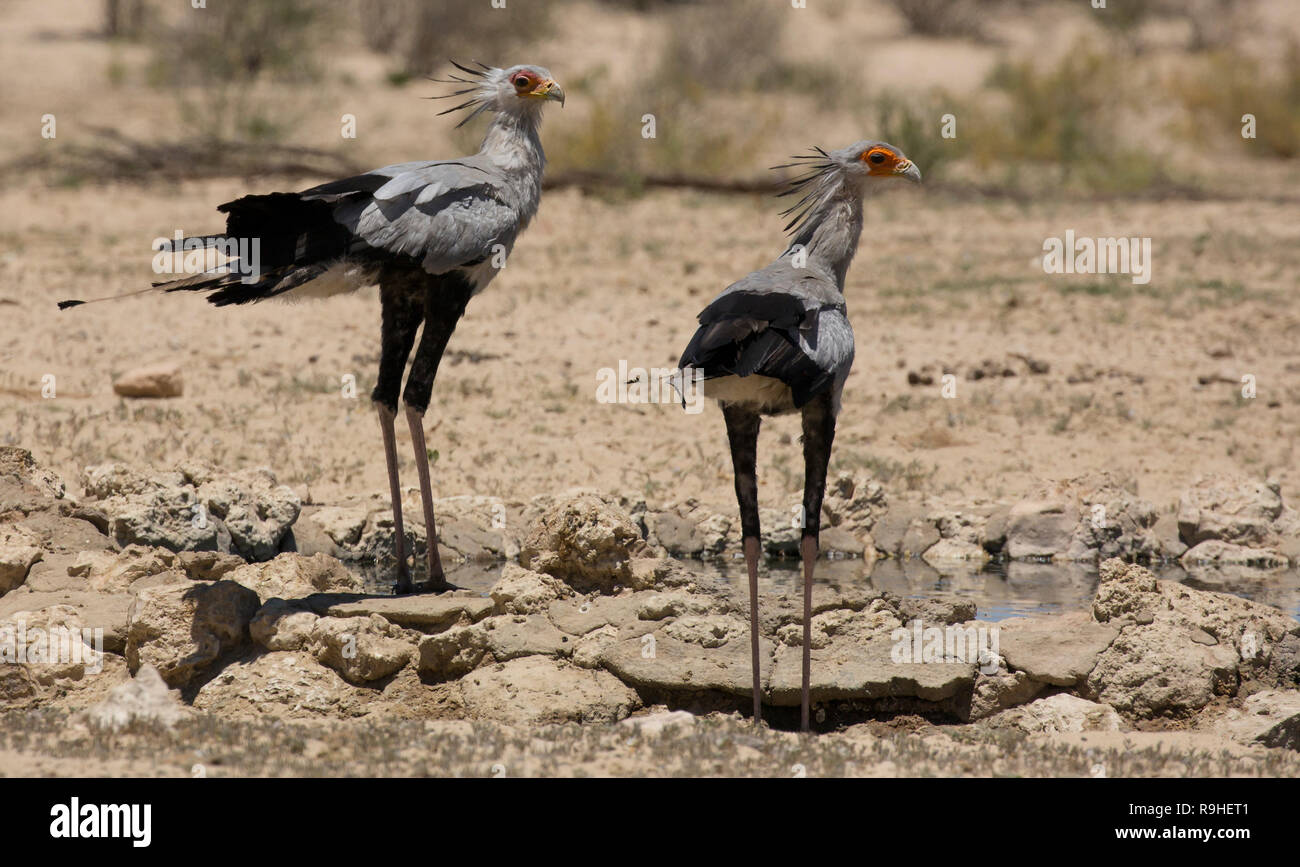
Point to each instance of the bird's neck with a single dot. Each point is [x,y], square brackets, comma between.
[513,144]
[830,235]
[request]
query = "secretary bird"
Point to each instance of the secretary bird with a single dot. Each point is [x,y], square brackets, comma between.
[432,234]
[779,340]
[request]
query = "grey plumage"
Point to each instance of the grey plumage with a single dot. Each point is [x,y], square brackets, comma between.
[443,215]
[779,340]
[432,234]
[816,353]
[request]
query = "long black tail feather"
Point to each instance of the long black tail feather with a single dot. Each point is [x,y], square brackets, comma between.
[296,240]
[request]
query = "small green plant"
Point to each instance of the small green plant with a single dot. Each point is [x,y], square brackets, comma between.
[1074,121]
[1229,85]
[214,60]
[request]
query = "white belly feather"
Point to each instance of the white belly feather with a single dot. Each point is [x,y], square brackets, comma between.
[761,392]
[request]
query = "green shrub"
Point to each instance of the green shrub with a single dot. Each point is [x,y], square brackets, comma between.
[215,57]
[1230,84]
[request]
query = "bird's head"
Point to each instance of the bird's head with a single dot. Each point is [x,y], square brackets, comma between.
[876,160]
[518,90]
[848,170]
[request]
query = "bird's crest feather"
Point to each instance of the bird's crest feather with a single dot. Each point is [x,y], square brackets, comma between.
[823,176]
[480,86]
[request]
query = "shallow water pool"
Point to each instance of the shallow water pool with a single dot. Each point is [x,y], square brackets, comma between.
[1000,589]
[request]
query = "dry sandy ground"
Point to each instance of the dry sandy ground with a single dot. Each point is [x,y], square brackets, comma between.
[56,743]
[940,280]
[937,282]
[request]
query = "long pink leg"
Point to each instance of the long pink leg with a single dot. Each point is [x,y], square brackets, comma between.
[386,418]
[751,546]
[415,418]
[808,550]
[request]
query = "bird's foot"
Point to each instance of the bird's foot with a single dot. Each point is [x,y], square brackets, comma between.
[440,586]
[404,584]
[438,582]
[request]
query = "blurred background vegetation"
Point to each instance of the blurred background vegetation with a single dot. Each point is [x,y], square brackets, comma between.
[1134,99]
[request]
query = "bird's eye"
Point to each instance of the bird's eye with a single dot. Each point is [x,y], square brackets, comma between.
[521,81]
[877,157]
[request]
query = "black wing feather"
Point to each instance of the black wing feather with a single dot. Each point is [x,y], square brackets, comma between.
[747,333]
[297,238]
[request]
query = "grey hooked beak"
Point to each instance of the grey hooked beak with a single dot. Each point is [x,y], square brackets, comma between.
[550,90]
[908,169]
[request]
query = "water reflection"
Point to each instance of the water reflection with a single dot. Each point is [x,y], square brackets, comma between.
[1000,590]
[1008,589]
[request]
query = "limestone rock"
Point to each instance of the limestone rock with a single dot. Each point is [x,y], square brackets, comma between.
[713,630]
[1060,650]
[688,529]
[535,690]
[193,509]
[1059,714]
[361,649]
[905,531]
[659,606]
[522,591]
[281,625]
[510,636]
[255,509]
[940,610]
[1158,669]
[876,619]
[453,652]
[293,576]
[588,650]
[1215,552]
[281,686]
[19,550]
[835,543]
[662,662]
[853,502]
[344,525]
[580,616]
[1227,509]
[207,565]
[151,380]
[24,484]
[849,670]
[143,699]
[152,510]
[107,611]
[1000,690]
[948,551]
[425,612]
[658,573]
[920,537]
[115,572]
[1041,528]
[180,628]
[587,540]
[1125,590]
[1270,718]
[51,643]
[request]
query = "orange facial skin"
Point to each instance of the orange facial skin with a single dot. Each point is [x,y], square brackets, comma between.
[529,85]
[889,165]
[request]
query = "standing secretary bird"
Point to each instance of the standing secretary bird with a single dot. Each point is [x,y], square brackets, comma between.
[431,234]
[779,341]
